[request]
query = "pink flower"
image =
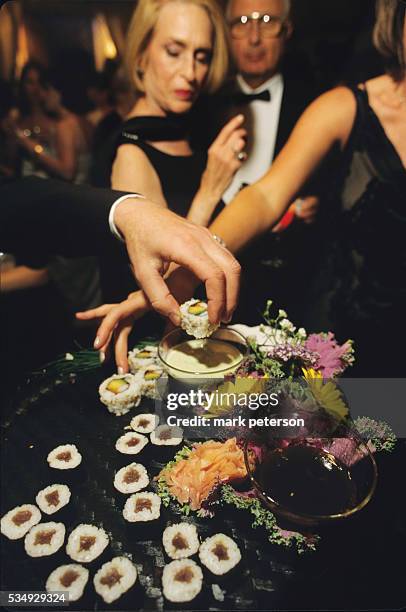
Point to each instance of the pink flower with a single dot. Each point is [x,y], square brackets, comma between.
[333,358]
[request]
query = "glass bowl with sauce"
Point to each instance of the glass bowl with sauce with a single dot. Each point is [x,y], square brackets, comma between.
[311,480]
[186,358]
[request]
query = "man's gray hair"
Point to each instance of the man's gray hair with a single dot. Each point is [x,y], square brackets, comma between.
[286,12]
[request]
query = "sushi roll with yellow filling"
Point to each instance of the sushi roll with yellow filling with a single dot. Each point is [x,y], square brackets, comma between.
[64,457]
[182,580]
[142,357]
[86,543]
[164,435]
[53,498]
[115,578]
[71,578]
[131,478]
[44,539]
[180,540]
[144,423]
[142,507]
[131,443]
[219,554]
[148,378]
[120,393]
[195,319]
[18,521]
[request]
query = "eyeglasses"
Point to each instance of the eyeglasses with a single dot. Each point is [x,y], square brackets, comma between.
[270,26]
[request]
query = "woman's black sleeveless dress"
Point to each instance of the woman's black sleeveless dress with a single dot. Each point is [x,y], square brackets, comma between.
[369,304]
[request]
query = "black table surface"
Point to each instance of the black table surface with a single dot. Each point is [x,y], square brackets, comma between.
[359,563]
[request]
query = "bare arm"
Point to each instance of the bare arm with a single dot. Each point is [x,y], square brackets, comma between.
[132,171]
[328,120]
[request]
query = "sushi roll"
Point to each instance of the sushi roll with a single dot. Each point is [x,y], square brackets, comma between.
[219,554]
[86,542]
[18,521]
[53,498]
[164,435]
[131,478]
[71,578]
[120,392]
[144,423]
[180,540]
[44,539]
[115,578]
[182,580]
[195,319]
[141,357]
[148,378]
[131,443]
[65,457]
[142,507]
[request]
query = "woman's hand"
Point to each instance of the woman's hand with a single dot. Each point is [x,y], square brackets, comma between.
[225,157]
[118,319]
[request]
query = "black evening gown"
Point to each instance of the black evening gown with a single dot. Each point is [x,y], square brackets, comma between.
[369,303]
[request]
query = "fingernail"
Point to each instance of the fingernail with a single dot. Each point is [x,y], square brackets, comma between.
[102,356]
[96,342]
[120,370]
[175,318]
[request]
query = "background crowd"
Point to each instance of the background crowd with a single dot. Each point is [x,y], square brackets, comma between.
[201,118]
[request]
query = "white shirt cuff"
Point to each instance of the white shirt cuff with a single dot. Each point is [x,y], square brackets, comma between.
[112,225]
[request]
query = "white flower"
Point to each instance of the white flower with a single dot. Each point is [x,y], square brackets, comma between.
[301,333]
[287,325]
[69,357]
[282,313]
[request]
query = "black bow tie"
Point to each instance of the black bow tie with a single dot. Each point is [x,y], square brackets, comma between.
[245,98]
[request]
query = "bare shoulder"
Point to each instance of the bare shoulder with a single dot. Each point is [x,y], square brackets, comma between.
[333,113]
[129,153]
[132,170]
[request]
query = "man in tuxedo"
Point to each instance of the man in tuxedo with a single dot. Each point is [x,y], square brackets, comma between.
[41,217]
[272,97]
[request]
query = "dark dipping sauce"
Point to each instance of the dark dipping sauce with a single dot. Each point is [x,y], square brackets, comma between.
[306,480]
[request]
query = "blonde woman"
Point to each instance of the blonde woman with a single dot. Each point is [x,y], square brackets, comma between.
[176,49]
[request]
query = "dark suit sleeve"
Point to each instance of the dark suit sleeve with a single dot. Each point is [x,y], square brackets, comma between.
[45,216]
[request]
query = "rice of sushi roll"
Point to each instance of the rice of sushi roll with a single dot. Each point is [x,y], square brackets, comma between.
[53,498]
[164,435]
[180,540]
[182,580]
[18,521]
[219,554]
[86,542]
[131,478]
[131,443]
[71,578]
[148,377]
[115,578]
[141,357]
[44,539]
[195,319]
[64,457]
[120,392]
[144,423]
[142,507]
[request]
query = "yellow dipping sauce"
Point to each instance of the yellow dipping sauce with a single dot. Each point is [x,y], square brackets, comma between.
[206,358]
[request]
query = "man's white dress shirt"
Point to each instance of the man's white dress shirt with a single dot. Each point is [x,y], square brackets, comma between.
[265,121]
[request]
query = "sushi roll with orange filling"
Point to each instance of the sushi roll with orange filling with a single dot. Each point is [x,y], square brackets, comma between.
[195,319]
[120,393]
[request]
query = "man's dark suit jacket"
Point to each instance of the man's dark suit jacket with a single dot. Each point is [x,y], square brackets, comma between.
[45,216]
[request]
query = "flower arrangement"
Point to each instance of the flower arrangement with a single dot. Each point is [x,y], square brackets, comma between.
[304,369]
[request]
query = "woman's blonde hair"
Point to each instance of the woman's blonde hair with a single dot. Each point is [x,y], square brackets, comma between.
[388,35]
[141,29]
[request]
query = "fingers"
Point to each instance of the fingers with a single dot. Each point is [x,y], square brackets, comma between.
[158,293]
[228,129]
[95,313]
[121,345]
[135,307]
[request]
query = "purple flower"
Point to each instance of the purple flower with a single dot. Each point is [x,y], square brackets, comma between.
[333,359]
